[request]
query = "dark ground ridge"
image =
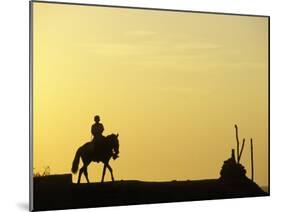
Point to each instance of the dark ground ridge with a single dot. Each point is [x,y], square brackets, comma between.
[58,192]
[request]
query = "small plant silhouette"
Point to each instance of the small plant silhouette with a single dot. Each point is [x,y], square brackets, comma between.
[240,151]
[232,169]
[46,172]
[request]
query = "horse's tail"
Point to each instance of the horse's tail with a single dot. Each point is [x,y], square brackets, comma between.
[75,162]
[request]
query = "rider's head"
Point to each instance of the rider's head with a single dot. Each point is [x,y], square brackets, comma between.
[97,119]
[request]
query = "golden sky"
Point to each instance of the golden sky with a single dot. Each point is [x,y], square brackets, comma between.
[172,84]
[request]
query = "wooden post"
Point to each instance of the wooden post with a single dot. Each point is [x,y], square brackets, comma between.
[237,140]
[233,155]
[252,160]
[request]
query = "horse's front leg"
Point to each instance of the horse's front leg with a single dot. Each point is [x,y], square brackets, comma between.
[111,172]
[103,173]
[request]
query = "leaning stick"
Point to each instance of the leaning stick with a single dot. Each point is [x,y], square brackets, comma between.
[241,151]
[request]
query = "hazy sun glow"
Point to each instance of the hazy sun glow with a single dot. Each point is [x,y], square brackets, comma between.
[172,84]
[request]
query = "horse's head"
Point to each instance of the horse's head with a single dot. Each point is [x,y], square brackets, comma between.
[113,138]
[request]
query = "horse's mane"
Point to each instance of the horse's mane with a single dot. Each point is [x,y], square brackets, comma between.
[111,136]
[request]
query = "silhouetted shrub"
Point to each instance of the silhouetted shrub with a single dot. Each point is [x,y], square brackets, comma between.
[232,171]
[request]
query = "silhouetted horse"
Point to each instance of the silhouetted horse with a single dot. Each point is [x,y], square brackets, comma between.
[109,148]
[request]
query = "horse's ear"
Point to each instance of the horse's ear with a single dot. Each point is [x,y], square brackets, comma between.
[117,135]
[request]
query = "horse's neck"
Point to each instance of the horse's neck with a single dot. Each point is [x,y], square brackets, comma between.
[109,142]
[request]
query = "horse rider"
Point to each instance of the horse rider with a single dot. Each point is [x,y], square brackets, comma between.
[97,130]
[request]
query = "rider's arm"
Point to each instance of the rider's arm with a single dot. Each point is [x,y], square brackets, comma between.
[101,127]
[92,130]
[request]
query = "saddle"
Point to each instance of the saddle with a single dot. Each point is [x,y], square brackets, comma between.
[98,147]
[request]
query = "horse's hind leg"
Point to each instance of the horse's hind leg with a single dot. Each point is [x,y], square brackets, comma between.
[86,173]
[103,173]
[80,173]
[111,172]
